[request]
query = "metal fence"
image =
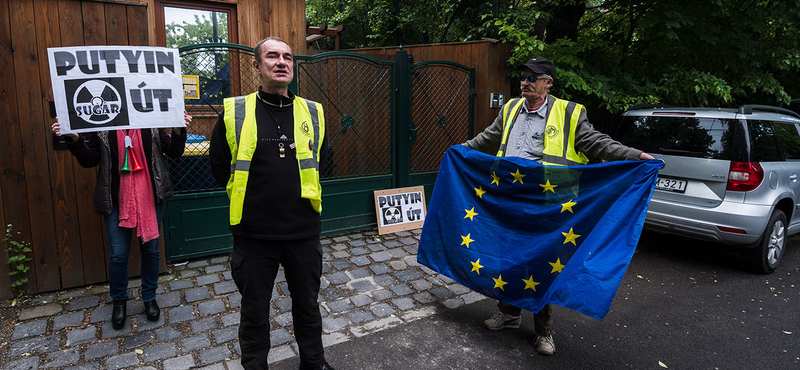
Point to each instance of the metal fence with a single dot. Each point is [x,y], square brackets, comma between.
[223,70]
[441,111]
[358,99]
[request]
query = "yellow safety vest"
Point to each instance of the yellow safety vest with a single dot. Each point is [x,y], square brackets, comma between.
[241,133]
[559,132]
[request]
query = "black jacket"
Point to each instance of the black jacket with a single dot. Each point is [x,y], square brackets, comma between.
[99,148]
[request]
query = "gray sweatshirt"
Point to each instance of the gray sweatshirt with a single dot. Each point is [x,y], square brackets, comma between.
[592,143]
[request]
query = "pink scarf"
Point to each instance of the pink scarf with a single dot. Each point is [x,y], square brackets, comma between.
[136,205]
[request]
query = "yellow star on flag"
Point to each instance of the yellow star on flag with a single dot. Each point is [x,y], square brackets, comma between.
[498,283]
[530,284]
[466,240]
[568,206]
[470,213]
[570,237]
[557,266]
[548,187]
[479,191]
[517,177]
[476,266]
[495,179]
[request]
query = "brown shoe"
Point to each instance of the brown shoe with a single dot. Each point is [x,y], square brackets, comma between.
[502,321]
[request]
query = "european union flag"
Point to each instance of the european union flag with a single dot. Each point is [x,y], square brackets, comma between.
[528,234]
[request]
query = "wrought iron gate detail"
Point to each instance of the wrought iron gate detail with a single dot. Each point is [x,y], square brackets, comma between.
[357,96]
[441,111]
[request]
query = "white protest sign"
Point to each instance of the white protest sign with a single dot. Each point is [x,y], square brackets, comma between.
[400,209]
[98,88]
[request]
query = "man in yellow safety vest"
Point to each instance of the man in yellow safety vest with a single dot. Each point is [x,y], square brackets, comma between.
[551,131]
[267,149]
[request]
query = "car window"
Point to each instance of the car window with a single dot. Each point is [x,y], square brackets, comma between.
[683,136]
[788,139]
[763,142]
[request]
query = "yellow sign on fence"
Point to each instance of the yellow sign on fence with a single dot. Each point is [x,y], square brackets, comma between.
[191,87]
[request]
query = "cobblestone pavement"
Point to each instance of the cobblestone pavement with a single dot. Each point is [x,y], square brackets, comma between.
[369,283]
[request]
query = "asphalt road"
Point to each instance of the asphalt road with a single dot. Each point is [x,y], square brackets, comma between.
[681,305]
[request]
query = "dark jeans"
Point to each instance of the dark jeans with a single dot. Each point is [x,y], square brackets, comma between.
[254,265]
[542,320]
[119,238]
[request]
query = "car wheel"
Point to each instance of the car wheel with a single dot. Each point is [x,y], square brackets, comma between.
[767,253]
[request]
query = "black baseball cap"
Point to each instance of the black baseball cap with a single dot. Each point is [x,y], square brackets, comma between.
[540,65]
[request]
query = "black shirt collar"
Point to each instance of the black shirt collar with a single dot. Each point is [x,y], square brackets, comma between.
[276,99]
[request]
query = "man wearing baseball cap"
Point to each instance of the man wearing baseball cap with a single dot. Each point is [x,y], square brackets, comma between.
[543,128]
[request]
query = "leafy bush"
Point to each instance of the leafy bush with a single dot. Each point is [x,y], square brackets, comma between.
[17,260]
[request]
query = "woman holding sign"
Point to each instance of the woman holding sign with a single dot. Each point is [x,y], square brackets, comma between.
[132,185]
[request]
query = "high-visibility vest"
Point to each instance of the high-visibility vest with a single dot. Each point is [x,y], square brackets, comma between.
[559,132]
[241,133]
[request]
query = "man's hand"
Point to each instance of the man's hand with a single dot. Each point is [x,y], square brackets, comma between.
[645,156]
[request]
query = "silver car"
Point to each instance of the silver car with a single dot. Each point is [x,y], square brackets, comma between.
[731,175]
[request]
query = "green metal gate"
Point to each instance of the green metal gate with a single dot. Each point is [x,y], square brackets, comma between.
[388,124]
[357,94]
[442,114]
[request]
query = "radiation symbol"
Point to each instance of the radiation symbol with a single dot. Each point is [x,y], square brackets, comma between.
[392,215]
[96,102]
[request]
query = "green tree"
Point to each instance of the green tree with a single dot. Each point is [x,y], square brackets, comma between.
[373,23]
[680,52]
[199,32]
[609,54]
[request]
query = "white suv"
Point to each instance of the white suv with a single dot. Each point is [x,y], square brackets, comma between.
[731,175]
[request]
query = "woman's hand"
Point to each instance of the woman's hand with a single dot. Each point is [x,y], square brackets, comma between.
[56,128]
[187,119]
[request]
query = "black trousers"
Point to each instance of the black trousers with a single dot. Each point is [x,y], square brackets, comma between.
[542,320]
[254,265]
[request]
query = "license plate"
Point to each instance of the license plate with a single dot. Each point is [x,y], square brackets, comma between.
[668,184]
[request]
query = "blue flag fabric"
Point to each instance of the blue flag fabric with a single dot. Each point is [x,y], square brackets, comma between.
[529,234]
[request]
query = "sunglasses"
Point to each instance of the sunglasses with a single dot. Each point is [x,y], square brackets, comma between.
[530,79]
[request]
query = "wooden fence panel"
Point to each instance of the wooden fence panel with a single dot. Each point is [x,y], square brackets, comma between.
[9,161]
[91,241]
[67,229]
[116,24]
[249,14]
[137,28]
[33,135]
[302,46]
[5,279]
